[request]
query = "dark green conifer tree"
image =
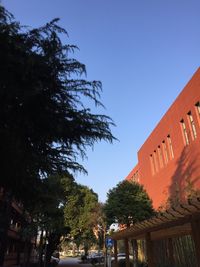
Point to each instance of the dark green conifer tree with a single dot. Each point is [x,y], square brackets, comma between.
[44,124]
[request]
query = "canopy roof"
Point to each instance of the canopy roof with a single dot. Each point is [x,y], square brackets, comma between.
[170,223]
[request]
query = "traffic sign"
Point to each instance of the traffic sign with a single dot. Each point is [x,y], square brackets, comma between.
[109,242]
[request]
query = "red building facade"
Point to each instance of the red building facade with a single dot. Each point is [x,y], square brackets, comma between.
[169,160]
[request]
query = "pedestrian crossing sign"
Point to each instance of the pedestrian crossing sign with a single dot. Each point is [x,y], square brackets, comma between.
[109,242]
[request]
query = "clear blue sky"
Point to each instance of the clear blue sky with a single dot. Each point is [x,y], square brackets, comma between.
[143,51]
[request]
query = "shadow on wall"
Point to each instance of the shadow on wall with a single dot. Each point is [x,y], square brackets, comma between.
[185,182]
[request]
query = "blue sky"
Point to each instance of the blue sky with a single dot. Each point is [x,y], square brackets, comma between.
[143,51]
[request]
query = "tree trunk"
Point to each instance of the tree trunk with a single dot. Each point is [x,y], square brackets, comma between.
[18,252]
[73,248]
[40,248]
[53,241]
[47,255]
[25,254]
[5,215]
[28,256]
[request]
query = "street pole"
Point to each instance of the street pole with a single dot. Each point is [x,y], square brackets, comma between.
[109,258]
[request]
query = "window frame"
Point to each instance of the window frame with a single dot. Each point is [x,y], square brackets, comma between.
[184,132]
[192,125]
[171,150]
[165,152]
[160,156]
[152,163]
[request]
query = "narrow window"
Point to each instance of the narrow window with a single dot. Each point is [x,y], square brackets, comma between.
[160,156]
[198,112]
[165,152]
[186,140]
[152,164]
[198,108]
[155,159]
[193,128]
[136,177]
[170,146]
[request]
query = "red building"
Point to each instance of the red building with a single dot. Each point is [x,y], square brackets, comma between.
[169,160]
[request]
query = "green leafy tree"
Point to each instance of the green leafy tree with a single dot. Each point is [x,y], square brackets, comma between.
[100,226]
[78,214]
[48,215]
[127,203]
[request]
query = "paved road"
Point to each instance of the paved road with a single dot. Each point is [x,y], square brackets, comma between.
[72,262]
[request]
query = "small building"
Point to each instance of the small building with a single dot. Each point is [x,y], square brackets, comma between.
[18,249]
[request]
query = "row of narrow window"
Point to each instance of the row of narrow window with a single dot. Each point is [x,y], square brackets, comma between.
[161,156]
[135,177]
[192,126]
[164,153]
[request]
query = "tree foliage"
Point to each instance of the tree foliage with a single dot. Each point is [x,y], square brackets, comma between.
[100,226]
[48,215]
[78,213]
[127,203]
[44,124]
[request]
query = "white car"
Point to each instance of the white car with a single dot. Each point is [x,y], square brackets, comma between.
[54,260]
[96,258]
[120,256]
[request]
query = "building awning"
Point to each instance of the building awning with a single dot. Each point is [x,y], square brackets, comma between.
[173,222]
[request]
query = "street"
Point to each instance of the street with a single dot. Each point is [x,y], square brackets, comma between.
[73,262]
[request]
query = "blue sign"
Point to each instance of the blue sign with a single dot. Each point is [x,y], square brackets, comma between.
[109,242]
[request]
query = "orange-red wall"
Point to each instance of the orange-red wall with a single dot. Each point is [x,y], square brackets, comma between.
[134,175]
[181,174]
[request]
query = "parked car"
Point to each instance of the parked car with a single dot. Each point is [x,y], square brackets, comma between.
[120,256]
[53,260]
[95,258]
